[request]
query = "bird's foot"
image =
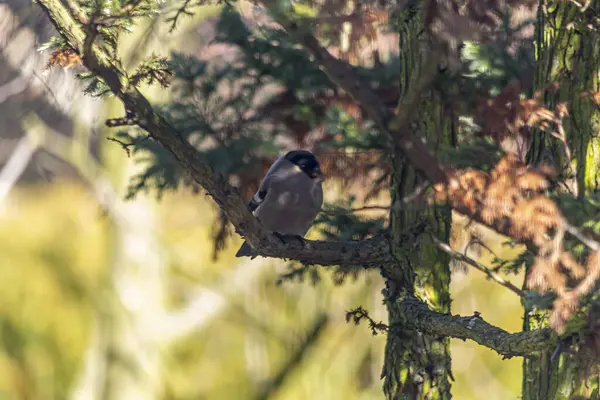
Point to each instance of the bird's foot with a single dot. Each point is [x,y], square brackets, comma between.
[280,236]
[283,236]
[301,240]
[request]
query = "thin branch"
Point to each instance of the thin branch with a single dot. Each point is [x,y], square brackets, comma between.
[48,88]
[125,146]
[366,253]
[480,267]
[421,318]
[122,121]
[358,314]
[183,10]
[75,12]
[369,208]
[592,244]
[126,11]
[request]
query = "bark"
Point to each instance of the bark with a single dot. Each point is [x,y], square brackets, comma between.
[568,53]
[417,366]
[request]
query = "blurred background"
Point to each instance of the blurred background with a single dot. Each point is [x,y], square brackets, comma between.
[112,292]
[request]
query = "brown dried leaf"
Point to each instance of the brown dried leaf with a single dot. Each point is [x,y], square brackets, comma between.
[66,58]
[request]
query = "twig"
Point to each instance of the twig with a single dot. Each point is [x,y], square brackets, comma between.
[181,11]
[48,88]
[126,11]
[592,244]
[477,241]
[369,208]
[359,313]
[480,267]
[76,13]
[124,145]
[122,121]
[562,136]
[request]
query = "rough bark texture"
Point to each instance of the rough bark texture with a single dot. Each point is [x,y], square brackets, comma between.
[417,366]
[568,53]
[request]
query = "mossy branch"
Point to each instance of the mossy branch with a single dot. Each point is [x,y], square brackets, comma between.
[421,318]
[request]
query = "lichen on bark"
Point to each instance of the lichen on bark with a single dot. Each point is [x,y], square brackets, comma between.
[417,366]
[568,53]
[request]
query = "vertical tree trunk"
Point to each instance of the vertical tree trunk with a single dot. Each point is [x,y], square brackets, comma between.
[568,53]
[418,366]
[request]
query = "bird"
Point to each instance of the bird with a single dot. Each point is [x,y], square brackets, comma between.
[289,197]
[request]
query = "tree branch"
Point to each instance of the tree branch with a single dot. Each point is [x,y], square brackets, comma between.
[445,247]
[421,318]
[395,126]
[371,252]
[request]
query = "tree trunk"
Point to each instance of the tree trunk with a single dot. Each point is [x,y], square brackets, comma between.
[568,53]
[418,366]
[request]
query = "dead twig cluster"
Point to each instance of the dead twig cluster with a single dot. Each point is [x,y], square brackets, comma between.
[512,197]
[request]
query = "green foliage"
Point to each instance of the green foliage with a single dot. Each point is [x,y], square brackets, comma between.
[153,69]
[336,221]
[351,134]
[56,42]
[270,55]
[96,87]
[506,58]
[488,66]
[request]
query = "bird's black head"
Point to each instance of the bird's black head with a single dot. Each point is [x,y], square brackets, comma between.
[306,161]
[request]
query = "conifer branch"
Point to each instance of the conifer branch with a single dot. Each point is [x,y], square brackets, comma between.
[366,253]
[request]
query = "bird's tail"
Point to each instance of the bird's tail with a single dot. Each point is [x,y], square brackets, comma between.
[245,251]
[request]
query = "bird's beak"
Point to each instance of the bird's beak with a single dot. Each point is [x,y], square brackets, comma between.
[317,174]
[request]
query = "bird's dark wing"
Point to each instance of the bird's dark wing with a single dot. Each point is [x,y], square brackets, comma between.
[255,201]
[260,194]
